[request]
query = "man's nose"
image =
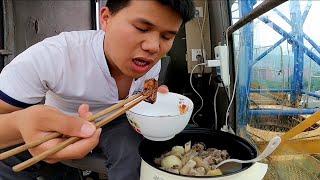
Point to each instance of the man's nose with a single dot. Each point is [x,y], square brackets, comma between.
[152,43]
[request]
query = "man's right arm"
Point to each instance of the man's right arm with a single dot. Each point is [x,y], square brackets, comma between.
[23,83]
[33,123]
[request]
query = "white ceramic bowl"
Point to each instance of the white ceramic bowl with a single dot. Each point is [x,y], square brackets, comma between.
[163,119]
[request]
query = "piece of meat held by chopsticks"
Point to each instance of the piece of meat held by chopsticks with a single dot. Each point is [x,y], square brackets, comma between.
[150,89]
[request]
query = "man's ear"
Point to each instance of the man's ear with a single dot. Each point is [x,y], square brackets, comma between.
[105,15]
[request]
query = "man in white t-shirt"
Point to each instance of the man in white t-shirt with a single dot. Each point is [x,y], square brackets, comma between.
[77,70]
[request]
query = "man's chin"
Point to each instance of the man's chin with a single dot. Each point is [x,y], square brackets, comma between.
[138,76]
[135,75]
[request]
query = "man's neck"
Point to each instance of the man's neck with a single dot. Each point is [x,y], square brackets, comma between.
[113,69]
[123,82]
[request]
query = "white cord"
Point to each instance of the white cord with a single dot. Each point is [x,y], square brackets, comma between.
[234,85]
[204,15]
[233,94]
[215,109]
[210,77]
[201,64]
[201,30]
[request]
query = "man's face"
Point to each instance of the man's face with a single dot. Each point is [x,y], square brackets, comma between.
[138,35]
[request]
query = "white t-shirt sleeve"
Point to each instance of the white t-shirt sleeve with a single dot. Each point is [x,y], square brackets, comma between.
[32,73]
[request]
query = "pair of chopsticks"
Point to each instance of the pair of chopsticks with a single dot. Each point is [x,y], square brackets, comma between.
[122,107]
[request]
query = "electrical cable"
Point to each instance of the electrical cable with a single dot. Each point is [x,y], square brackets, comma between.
[210,77]
[235,82]
[233,94]
[226,91]
[201,27]
[215,109]
[218,80]
[201,64]
[202,41]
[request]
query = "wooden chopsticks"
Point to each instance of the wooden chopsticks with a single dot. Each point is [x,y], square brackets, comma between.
[56,134]
[122,107]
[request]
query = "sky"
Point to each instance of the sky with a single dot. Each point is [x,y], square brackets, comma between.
[266,36]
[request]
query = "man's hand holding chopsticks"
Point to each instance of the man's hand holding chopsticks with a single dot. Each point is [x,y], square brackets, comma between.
[37,121]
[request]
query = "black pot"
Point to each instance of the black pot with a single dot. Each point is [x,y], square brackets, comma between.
[237,147]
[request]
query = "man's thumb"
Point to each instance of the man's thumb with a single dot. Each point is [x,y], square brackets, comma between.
[87,129]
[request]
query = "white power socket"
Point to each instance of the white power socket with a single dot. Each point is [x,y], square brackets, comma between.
[199,12]
[221,53]
[196,55]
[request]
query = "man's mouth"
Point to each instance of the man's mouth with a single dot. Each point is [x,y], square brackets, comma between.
[140,62]
[141,65]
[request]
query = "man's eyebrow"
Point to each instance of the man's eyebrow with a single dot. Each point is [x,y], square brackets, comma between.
[173,32]
[144,21]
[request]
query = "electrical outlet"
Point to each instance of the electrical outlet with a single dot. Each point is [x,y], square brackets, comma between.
[221,53]
[199,12]
[197,55]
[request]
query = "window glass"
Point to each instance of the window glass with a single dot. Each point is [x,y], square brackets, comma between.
[278,69]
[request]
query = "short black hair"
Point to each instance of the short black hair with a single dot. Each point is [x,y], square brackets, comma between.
[185,8]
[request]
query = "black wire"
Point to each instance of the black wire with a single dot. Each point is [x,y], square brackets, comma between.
[218,80]
[226,91]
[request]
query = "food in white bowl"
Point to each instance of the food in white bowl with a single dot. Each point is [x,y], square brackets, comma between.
[162,120]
